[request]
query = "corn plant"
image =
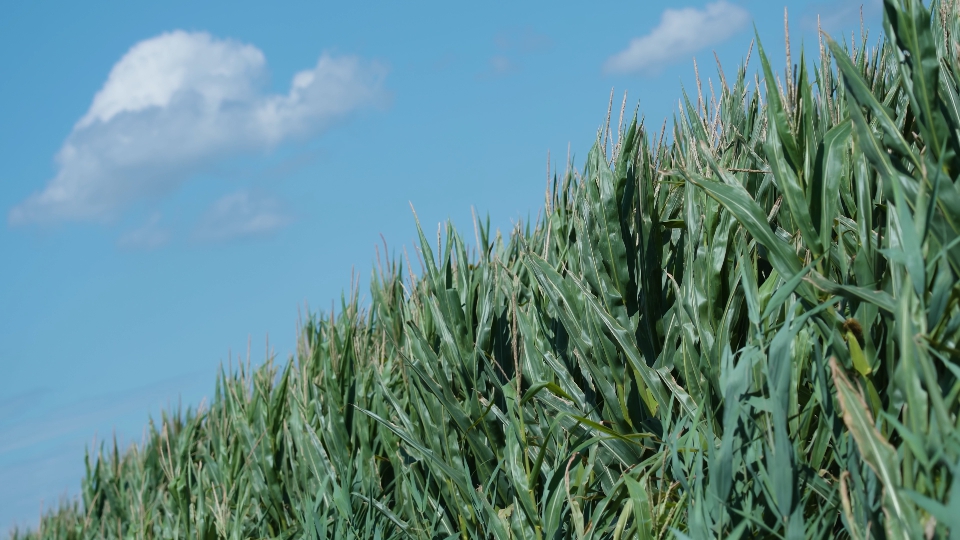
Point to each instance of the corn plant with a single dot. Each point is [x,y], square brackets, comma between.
[744,328]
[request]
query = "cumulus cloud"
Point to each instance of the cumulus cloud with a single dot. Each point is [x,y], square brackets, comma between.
[176,103]
[681,32]
[241,214]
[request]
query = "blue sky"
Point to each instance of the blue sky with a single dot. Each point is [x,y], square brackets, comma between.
[182,180]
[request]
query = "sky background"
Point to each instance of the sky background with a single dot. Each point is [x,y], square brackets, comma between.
[182,181]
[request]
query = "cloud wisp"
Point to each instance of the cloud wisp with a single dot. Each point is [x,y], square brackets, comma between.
[46,425]
[841,15]
[148,236]
[177,103]
[681,33]
[239,215]
[514,45]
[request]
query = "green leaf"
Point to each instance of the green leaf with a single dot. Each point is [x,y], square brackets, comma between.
[835,145]
[920,67]
[793,192]
[860,95]
[784,291]
[775,111]
[878,453]
[748,213]
[895,183]
[856,355]
[642,508]
[549,281]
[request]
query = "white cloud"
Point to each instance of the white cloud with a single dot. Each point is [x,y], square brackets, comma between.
[175,104]
[681,33]
[241,214]
[150,235]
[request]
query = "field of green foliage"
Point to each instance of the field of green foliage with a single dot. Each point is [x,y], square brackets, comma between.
[744,327]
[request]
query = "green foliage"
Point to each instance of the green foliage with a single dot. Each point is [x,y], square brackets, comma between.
[748,331]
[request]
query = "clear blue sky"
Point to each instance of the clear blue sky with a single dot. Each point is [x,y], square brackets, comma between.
[182,179]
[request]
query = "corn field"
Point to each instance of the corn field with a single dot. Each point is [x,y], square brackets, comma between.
[745,327]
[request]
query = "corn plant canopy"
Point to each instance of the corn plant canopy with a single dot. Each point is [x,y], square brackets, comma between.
[744,328]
